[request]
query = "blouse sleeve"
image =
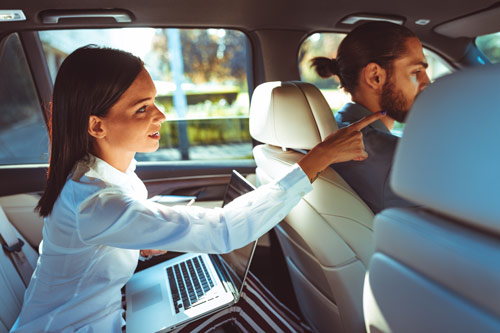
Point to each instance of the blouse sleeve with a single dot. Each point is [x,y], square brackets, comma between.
[113,218]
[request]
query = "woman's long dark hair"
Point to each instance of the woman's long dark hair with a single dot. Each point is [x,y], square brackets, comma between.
[89,82]
[377,42]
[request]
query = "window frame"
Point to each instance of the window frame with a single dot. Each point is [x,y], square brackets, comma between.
[37,61]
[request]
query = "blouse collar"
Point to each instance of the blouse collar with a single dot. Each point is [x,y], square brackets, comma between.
[94,167]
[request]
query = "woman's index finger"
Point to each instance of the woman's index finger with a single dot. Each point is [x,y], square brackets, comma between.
[362,123]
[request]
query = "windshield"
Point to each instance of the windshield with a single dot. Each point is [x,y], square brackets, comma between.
[490,46]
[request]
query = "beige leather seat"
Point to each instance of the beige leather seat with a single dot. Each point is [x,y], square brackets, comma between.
[327,237]
[11,285]
[20,210]
[437,269]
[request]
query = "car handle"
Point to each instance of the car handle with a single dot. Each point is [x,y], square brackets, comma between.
[53,16]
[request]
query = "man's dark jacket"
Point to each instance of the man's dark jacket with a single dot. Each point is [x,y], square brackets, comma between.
[370,178]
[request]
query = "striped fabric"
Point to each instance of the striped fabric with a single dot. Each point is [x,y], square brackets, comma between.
[124,313]
[256,311]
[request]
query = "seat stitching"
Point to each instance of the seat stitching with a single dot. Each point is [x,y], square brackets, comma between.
[310,110]
[350,219]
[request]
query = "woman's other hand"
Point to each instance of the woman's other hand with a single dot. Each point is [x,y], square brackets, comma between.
[150,253]
[344,145]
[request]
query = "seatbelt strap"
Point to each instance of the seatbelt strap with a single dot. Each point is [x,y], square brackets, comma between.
[13,247]
[302,151]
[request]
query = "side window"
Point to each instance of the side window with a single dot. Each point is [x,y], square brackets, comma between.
[490,45]
[23,133]
[201,80]
[326,45]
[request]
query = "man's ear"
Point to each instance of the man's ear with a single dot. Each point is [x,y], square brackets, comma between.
[374,76]
[96,128]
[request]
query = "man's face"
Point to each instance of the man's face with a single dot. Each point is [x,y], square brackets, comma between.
[405,81]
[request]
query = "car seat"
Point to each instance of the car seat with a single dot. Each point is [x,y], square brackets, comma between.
[327,237]
[437,268]
[12,286]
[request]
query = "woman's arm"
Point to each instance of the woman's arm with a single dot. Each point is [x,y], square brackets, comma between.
[114,218]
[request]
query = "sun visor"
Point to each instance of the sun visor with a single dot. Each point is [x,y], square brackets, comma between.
[480,23]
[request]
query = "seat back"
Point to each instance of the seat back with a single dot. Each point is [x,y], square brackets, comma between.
[20,211]
[327,237]
[437,268]
[11,285]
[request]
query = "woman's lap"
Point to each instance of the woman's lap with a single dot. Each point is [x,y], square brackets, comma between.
[256,311]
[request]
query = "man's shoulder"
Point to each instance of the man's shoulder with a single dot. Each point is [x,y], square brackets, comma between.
[370,132]
[378,139]
[350,113]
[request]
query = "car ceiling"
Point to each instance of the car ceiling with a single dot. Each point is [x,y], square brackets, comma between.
[251,15]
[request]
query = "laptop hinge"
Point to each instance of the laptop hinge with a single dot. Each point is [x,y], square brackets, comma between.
[224,274]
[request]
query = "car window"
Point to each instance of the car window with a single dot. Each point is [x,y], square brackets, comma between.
[23,133]
[326,45]
[201,81]
[490,45]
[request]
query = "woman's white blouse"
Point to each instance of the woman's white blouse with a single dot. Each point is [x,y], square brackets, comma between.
[102,218]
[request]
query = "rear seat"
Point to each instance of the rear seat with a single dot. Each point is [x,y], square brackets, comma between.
[11,285]
[19,208]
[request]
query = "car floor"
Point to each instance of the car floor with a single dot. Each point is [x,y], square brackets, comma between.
[269,266]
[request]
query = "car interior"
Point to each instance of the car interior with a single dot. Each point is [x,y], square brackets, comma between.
[243,98]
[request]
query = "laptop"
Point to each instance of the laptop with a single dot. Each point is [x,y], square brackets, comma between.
[190,286]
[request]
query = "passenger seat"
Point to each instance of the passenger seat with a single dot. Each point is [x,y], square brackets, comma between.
[12,287]
[327,237]
[437,268]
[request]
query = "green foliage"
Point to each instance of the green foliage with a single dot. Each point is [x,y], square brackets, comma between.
[210,55]
[202,132]
[223,103]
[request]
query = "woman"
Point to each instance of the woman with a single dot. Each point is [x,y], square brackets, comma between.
[96,211]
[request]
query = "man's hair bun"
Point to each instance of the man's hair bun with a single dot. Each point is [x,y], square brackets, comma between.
[325,67]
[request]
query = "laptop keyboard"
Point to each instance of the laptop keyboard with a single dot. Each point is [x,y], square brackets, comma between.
[189,282]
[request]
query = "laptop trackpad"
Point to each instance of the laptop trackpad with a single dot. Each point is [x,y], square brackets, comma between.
[146,297]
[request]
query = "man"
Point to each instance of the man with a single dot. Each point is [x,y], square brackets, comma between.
[383,67]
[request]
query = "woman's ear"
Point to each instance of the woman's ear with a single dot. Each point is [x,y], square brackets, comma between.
[96,128]
[374,76]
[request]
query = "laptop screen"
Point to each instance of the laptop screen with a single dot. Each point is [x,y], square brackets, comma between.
[238,261]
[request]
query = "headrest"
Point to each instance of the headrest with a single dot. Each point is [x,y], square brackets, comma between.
[290,115]
[449,157]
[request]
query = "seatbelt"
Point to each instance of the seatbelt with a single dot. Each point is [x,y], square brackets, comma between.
[13,247]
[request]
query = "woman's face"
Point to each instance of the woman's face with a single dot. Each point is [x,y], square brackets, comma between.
[131,125]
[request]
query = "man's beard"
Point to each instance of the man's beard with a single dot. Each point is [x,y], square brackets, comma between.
[394,102]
